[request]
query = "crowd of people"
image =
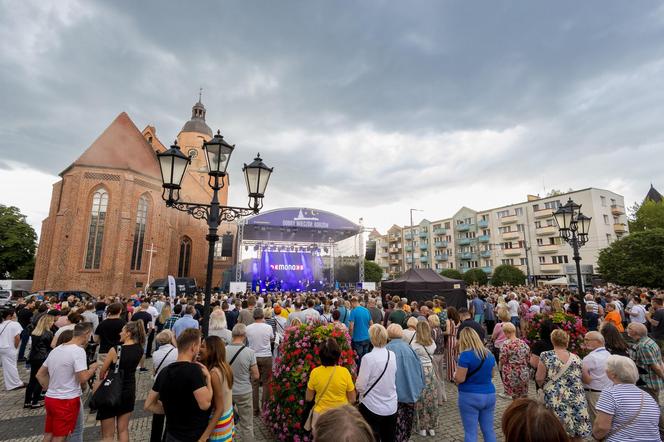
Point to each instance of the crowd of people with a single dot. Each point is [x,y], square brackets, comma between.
[408,355]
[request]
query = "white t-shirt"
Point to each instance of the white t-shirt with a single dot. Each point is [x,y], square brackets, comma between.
[63,363]
[311,315]
[534,309]
[640,316]
[259,335]
[513,307]
[154,313]
[9,330]
[62,329]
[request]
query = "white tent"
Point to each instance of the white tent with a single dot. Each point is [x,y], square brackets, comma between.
[558,281]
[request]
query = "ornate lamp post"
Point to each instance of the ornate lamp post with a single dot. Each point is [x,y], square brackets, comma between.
[574,227]
[173,164]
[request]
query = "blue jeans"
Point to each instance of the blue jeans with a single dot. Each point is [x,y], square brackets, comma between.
[474,407]
[25,337]
[360,348]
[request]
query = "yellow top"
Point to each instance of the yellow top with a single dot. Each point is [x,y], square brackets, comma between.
[285,312]
[437,310]
[335,395]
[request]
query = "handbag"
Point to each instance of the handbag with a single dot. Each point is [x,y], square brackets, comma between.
[109,392]
[310,417]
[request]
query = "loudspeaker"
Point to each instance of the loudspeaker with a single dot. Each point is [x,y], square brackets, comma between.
[227,245]
[370,254]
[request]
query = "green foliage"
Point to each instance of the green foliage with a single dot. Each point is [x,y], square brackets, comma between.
[475,276]
[649,215]
[507,274]
[18,242]
[372,272]
[451,273]
[637,259]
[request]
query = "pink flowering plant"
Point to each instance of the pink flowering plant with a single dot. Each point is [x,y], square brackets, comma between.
[298,355]
[571,324]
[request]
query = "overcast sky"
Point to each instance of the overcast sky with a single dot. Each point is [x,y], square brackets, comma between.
[363,108]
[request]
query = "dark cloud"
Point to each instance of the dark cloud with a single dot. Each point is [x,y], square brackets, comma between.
[359,105]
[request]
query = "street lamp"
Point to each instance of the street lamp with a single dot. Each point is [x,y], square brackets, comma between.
[574,227]
[173,164]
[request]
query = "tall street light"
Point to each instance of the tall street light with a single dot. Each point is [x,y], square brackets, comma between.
[412,257]
[574,227]
[173,164]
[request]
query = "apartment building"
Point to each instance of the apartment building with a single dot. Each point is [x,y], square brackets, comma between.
[523,234]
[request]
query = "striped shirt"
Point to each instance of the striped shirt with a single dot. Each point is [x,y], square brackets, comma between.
[623,401]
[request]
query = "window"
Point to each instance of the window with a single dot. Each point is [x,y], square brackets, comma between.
[96,229]
[139,233]
[538,224]
[613,201]
[502,213]
[520,228]
[522,244]
[608,238]
[552,205]
[559,259]
[508,261]
[535,207]
[603,200]
[185,258]
[549,222]
[518,211]
[447,224]
[486,232]
[539,241]
[606,219]
[523,261]
[542,260]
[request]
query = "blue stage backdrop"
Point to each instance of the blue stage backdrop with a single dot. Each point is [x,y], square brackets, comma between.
[294,271]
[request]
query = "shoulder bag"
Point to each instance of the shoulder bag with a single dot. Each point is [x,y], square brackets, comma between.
[236,410]
[540,392]
[474,370]
[379,377]
[162,363]
[109,392]
[308,424]
[629,422]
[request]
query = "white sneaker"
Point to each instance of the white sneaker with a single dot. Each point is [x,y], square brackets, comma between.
[422,432]
[432,433]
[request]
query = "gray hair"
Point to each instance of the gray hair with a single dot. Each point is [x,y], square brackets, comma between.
[218,320]
[623,368]
[164,337]
[239,330]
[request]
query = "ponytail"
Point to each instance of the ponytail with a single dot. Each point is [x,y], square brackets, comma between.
[137,331]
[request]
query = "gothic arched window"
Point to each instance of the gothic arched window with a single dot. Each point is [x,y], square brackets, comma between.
[96,229]
[185,258]
[139,233]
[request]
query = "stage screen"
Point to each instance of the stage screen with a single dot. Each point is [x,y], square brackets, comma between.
[286,270]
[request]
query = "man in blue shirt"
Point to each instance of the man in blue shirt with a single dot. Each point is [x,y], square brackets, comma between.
[360,321]
[186,321]
[478,308]
[344,314]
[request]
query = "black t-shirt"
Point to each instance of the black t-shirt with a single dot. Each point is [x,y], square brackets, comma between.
[24,316]
[541,346]
[474,325]
[108,331]
[658,332]
[176,384]
[142,316]
[231,318]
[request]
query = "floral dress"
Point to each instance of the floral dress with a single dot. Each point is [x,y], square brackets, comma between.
[514,357]
[565,397]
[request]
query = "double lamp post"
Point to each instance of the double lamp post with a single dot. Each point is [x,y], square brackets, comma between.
[574,227]
[173,164]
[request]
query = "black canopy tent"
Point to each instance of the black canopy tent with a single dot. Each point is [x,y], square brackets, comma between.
[423,284]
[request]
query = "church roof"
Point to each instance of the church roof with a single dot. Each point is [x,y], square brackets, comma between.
[120,146]
[197,122]
[654,195]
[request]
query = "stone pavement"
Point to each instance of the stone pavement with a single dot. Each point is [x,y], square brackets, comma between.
[19,425]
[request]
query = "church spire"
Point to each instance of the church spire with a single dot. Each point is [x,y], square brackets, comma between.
[197,121]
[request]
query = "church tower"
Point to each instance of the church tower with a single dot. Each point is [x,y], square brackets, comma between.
[192,136]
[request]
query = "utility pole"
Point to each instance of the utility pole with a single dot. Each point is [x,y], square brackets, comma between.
[412,244]
[151,250]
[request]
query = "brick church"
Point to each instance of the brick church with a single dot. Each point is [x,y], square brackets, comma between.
[108,227]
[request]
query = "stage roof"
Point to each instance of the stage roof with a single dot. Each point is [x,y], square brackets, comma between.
[299,224]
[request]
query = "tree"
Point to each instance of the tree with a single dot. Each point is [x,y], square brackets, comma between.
[507,274]
[372,272]
[475,276]
[649,215]
[637,259]
[18,242]
[451,273]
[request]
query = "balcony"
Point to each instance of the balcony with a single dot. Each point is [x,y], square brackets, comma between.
[485,253]
[549,248]
[424,234]
[511,219]
[384,255]
[439,231]
[409,259]
[546,230]
[620,228]
[543,213]
[424,259]
[463,241]
[440,244]
[394,262]
[395,249]
[487,269]
[409,248]
[442,257]
[395,239]
[617,209]
[551,268]
[484,238]
[511,235]
[463,227]
[483,223]
[513,252]
[408,236]
[424,246]
[467,256]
